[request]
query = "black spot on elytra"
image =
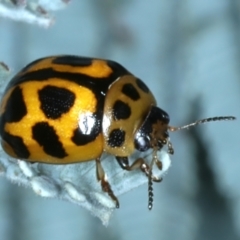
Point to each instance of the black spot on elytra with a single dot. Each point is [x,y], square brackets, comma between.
[91,128]
[99,88]
[17,145]
[81,139]
[142,85]
[116,138]
[15,107]
[55,101]
[121,110]
[130,91]
[74,61]
[46,137]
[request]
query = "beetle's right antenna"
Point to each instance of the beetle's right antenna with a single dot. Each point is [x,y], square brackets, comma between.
[205,120]
[150,190]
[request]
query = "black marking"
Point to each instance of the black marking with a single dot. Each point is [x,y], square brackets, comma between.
[15,108]
[82,138]
[99,88]
[55,101]
[121,110]
[82,79]
[142,85]
[73,61]
[130,91]
[116,138]
[17,145]
[46,137]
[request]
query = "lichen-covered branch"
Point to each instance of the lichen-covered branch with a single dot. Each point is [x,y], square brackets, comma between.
[77,183]
[4,73]
[31,11]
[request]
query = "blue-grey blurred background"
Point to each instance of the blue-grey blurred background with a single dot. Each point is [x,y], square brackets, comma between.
[188,53]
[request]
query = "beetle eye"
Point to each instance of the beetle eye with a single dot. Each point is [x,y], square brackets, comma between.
[142,143]
[165,117]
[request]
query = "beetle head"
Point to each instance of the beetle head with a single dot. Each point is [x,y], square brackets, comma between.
[154,131]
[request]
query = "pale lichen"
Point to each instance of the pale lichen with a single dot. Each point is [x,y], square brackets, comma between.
[77,183]
[31,11]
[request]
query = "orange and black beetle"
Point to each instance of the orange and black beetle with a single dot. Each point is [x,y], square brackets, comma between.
[66,109]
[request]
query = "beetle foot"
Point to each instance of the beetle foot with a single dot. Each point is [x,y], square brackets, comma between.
[107,188]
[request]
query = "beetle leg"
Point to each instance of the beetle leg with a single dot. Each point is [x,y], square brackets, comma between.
[158,164]
[101,176]
[137,164]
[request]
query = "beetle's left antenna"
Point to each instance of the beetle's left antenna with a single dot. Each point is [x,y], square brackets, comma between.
[205,120]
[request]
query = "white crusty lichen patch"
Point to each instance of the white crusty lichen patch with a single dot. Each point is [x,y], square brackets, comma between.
[77,183]
[31,11]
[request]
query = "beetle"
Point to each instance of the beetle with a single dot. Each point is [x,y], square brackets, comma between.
[68,109]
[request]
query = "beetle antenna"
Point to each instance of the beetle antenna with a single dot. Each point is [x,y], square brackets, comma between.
[150,181]
[150,190]
[205,120]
